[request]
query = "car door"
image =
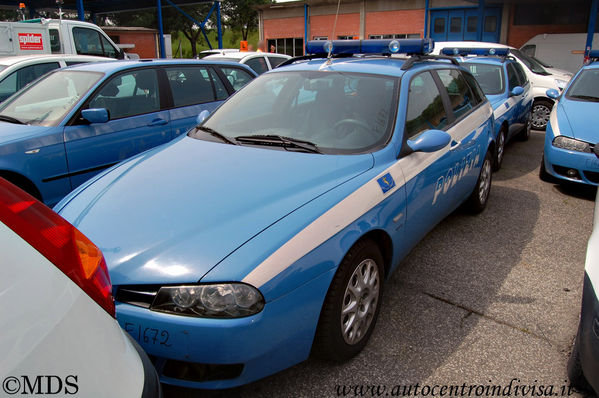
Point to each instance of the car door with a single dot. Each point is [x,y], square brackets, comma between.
[437,182]
[515,102]
[526,100]
[137,123]
[194,88]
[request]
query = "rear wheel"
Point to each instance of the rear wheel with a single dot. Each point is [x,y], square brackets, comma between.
[525,133]
[352,304]
[480,195]
[541,109]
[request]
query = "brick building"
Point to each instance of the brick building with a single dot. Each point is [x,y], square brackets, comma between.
[287,25]
[141,41]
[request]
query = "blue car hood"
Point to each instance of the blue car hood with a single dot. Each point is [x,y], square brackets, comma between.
[582,117]
[10,132]
[496,100]
[173,213]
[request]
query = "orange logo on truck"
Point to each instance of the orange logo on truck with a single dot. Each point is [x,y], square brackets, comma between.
[31,41]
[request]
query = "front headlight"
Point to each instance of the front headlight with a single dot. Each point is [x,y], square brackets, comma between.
[222,300]
[571,144]
[561,84]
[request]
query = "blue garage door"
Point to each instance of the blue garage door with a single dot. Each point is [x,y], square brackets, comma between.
[462,24]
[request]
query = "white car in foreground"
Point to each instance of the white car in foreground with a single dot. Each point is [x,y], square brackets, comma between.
[59,335]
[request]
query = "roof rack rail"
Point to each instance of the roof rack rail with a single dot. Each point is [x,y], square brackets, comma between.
[420,58]
[311,56]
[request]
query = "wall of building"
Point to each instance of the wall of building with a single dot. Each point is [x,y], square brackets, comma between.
[145,41]
[395,22]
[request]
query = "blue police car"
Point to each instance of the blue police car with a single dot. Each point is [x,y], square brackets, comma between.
[266,233]
[74,122]
[505,84]
[571,134]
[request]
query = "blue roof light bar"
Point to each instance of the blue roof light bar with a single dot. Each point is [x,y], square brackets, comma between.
[460,51]
[384,46]
[594,54]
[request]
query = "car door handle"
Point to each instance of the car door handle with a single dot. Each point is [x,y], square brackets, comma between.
[454,145]
[158,122]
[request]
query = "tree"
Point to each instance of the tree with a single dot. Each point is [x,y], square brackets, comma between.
[240,15]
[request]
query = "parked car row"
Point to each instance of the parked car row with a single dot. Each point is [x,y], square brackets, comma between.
[241,233]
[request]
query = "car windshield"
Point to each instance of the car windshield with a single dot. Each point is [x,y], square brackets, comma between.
[530,62]
[489,77]
[585,87]
[46,102]
[545,64]
[333,112]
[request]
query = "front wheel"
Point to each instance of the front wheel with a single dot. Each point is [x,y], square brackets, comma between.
[500,149]
[480,195]
[541,110]
[352,304]
[525,133]
[577,379]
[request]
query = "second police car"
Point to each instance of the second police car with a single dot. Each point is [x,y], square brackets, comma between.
[506,86]
[571,135]
[266,233]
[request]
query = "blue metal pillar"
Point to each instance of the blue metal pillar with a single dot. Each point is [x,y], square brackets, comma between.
[426,11]
[160,30]
[591,29]
[218,27]
[305,27]
[481,17]
[80,11]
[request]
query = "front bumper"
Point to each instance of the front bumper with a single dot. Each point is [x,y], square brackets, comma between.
[571,166]
[224,353]
[588,334]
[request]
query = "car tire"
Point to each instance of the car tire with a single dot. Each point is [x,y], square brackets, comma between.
[575,374]
[480,195]
[540,113]
[525,133]
[347,321]
[543,174]
[500,149]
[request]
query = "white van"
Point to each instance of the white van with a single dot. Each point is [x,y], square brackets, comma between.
[564,50]
[54,36]
[541,78]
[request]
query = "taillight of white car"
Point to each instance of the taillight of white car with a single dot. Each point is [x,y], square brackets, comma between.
[59,241]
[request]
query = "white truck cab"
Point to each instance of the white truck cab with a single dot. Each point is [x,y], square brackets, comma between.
[54,36]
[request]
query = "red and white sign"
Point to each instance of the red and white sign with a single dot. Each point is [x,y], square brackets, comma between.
[31,41]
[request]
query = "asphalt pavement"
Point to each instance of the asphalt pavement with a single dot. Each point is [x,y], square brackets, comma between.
[483,302]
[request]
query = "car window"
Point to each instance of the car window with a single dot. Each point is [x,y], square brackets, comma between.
[190,85]
[129,94]
[55,41]
[71,63]
[460,96]
[22,77]
[219,87]
[109,50]
[258,64]
[490,77]
[521,75]
[425,106]
[275,61]
[478,95]
[340,112]
[512,77]
[87,42]
[47,101]
[236,76]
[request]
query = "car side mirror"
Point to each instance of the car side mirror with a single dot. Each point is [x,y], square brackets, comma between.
[430,141]
[517,91]
[596,150]
[95,115]
[552,93]
[202,116]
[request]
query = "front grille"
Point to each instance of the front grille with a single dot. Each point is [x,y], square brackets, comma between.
[138,295]
[200,371]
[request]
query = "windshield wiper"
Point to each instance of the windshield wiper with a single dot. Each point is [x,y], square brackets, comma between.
[216,134]
[586,97]
[286,142]
[11,119]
